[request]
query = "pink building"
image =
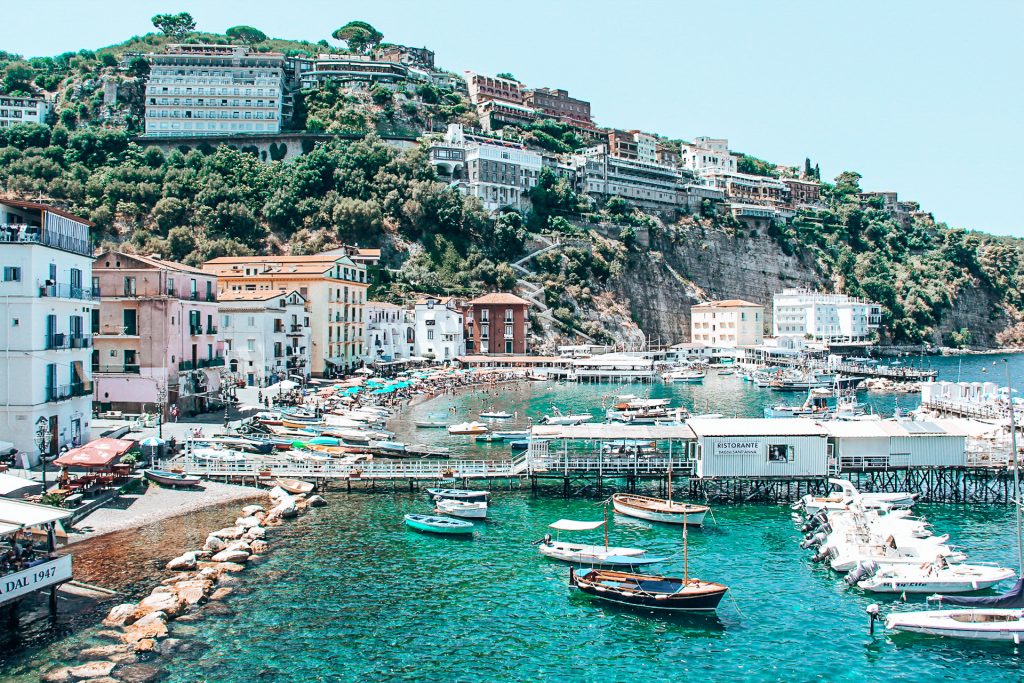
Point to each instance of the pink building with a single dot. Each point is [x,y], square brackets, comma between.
[155,335]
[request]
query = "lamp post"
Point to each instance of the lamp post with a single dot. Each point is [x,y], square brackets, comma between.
[43,444]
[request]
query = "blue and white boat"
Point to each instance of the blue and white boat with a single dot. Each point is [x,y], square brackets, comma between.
[438,525]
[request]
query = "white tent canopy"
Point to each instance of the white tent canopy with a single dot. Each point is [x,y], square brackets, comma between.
[29,514]
[9,484]
[6,528]
[571,525]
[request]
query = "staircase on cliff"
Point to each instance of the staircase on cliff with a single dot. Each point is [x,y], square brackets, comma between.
[535,292]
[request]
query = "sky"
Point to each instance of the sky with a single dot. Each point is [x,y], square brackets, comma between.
[919,97]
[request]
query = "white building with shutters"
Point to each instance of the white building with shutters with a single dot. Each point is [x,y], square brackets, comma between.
[46,305]
[266,336]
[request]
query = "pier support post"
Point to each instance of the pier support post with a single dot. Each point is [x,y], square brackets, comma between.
[53,601]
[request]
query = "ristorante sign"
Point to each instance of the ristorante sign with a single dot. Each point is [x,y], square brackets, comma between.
[739,447]
[19,584]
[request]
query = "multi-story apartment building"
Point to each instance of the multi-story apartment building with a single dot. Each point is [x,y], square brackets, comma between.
[47,302]
[266,335]
[348,70]
[155,335]
[390,332]
[559,105]
[707,155]
[334,287]
[803,192]
[214,90]
[645,183]
[822,316]
[403,54]
[496,114]
[496,171]
[483,88]
[439,328]
[15,110]
[743,188]
[727,324]
[495,323]
[664,154]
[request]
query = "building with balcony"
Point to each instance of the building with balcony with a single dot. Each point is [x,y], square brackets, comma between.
[15,110]
[214,90]
[495,323]
[390,332]
[334,287]
[403,54]
[483,88]
[348,70]
[265,335]
[727,324]
[156,337]
[705,155]
[557,104]
[438,328]
[499,173]
[47,304]
[645,183]
[822,316]
[496,114]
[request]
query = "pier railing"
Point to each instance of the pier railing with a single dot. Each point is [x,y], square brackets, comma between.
[339,469]
[967,409]
[609,465]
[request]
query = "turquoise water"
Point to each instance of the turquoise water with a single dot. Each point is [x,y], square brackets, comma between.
[349,594]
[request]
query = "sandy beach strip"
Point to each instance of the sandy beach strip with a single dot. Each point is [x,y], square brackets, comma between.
[156,504]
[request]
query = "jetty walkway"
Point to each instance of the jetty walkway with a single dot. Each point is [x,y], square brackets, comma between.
[896,374]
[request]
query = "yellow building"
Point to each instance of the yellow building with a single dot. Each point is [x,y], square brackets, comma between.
[335,290]
[728,324]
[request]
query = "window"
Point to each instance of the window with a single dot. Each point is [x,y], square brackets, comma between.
[12,274]
[430,335]
[170,287]
[780,453]
[508,331]
[250,344]
[129,286]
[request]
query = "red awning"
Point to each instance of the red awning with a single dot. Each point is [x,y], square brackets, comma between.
[98,453]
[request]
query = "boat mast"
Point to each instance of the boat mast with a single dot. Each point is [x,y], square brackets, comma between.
[686,558]
[670,483]
[606,526]
[1016,471]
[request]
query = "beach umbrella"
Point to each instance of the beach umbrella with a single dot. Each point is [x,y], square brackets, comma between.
[152,442]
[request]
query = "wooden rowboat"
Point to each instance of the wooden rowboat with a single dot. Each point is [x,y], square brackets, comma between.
[649,591]
[172,478]
[465,495]
[438,525]
[295,486]
[659,509]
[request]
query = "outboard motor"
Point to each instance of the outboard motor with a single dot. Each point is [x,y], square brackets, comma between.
[826,527]
[821,555]
[863,570]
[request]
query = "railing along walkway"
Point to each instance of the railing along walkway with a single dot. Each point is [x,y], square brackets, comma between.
[336,469]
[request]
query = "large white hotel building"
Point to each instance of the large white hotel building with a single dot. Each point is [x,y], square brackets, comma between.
[214,90]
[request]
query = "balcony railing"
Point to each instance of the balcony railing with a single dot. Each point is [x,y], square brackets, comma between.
[195,330]
[124,368]
[67,341]
[201,363]
[211,329]
[67,292]
[28,234]
[296,328]
[67,391]
[211,297]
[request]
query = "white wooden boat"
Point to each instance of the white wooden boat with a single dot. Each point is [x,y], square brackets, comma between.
[935,577]
[467,428]
[591,555]
[684,376]
[659,509]
[438,525]
[466,495]
[295,486]
[462,508]
[558,418]
[496,415]
[431,424]
[172,478]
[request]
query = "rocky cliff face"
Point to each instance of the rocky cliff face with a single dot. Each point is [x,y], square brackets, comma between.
[977,309]
[696,263]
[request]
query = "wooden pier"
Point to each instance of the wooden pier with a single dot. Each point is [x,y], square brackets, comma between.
[897,374]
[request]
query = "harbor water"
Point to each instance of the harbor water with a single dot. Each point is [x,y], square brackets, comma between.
[348,593]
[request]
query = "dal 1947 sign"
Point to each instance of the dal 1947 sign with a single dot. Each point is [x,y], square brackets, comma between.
[738,447]
[19,584]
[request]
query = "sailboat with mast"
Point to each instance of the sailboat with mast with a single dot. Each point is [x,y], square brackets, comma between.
[592,555]
[994,618]
[651,591]
[660,509]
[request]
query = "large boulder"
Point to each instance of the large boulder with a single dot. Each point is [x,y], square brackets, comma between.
[153,625]
[286,509]
[163,600]
[254,533]
[231,556]
[95,669]
[259,547]
[316,501]
[214,544]
[186,562]
[247,522]
[250,510]
[193,591]
[277,494]
[240,544]
[231,533]
[121,615]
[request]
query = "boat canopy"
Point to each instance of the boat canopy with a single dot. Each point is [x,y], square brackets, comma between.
[1011,599]
[570,525]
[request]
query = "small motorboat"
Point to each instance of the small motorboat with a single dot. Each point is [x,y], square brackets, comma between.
[519,445]
[841,500]
[461,508]
[558,418]
[467,428]
[489,438]
[513,434]
[649,591]
[496,415]
[296,486]
[430,424]
[465,495]
[389,446]
[998,617]
[934,577]
[438,525]
[684,376]
[659,509]
[172,478]
[591,555]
